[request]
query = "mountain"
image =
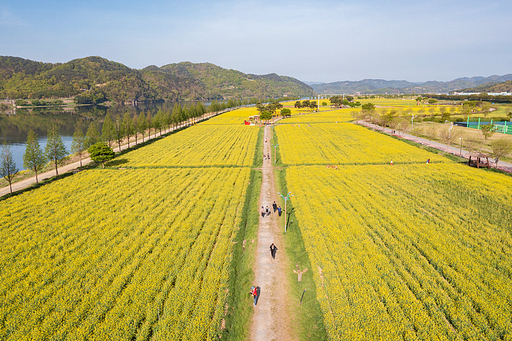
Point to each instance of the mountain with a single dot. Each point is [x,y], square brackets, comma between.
[96,79]
[365,86]
[224,83]
[379,86]
[492,87]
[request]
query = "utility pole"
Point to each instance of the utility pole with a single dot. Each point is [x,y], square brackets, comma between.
[285,198]
[275,152]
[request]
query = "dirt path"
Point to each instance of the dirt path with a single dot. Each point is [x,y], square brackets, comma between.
[271,319]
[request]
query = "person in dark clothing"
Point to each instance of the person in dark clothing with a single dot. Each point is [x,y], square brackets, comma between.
[267,210]
[273,250]
[274,206]
[279,210]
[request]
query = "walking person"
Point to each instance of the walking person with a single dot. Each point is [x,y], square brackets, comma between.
[267,210]
[273,250]
[262,212]
[279,210]
[254,293]
[274,206]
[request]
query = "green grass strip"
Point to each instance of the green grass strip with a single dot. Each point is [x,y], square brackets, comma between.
[309,314]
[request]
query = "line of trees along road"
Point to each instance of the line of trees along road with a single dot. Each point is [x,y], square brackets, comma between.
[114,132]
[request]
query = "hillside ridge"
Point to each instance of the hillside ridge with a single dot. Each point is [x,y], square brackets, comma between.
[95,79]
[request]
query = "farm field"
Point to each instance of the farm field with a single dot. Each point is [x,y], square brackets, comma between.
[235,117]
[408,251]
[200,145]
[343,143]
[331,116]
[134,253]
[412,251]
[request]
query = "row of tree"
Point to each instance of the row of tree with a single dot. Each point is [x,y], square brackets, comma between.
[99,145]
[498,148]
[339,101]
[34,157]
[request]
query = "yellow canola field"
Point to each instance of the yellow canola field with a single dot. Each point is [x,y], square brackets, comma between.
[201,145]
[132,254]
[344,143]
[328,116]
[415,252]
[235,117]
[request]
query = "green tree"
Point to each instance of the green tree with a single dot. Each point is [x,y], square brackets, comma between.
[78,144]
[33,158]
[135,127]
[142,124]
[500,148]
[201,110]
[108,131]
[176,112]
[101,152]
[119,132]
[266,115]
[92,136]
[286,112]
[368,106]
[158,121]
[487,131]
[8,169]
[149,120]
[128,127]
[55,151]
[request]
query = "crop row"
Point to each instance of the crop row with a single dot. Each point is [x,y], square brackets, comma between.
[343,143]
[201,145]
[408,252]
[120,255]
[326,115]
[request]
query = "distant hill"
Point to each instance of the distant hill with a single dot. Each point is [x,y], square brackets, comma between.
[379,86]
[492,87]
[220,82]
[97,79]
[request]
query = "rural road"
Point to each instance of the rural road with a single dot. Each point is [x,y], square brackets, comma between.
[19,185]
[502,165]
[271,319]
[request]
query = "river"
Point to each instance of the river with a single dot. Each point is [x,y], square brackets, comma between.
[14,128]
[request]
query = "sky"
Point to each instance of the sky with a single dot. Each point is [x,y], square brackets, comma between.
[313,41]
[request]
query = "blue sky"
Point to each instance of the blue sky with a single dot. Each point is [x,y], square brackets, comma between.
[322,41]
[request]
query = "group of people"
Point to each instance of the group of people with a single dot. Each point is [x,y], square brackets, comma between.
[265,211]
[255,290]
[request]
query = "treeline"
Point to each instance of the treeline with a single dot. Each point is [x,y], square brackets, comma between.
[99,144]
[477,97]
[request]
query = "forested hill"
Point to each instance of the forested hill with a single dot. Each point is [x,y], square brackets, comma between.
[227,83]
[96,79]
[380,86]
[491,87]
